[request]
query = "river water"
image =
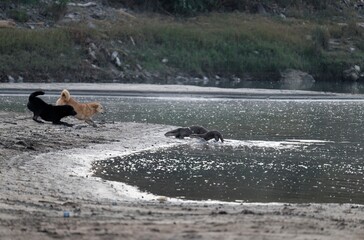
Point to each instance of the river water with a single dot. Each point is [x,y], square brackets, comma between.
[275,150]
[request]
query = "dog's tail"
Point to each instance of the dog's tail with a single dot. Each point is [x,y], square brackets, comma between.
[36,93]
[65,94]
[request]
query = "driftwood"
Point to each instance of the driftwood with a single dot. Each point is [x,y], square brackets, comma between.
[7,24]
[124,13]
[89,4]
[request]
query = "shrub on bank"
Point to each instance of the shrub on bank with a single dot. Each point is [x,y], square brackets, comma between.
[232,44]
[227,45]
[190,7]
[26,51]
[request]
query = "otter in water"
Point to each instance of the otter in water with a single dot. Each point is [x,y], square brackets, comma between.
[209,135]
[186,131]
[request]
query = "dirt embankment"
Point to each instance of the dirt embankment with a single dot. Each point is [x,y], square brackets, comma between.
[43,180]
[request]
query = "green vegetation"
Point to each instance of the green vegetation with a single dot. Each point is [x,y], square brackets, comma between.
[37,52]
[238,44]
[52,9]
[18,15]
[191,7]
[224,44]
[19,1]
[56,9]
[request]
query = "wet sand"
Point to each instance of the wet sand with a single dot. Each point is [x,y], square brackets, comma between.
[44,175]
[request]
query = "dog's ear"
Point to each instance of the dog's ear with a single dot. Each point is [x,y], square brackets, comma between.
[65,94]
[94,106]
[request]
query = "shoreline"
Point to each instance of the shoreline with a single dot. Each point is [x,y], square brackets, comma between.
[152,90]
[43,171]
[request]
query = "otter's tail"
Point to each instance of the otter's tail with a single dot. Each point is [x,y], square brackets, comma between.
[36,93]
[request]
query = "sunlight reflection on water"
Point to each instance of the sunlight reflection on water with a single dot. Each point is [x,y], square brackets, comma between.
[265,172]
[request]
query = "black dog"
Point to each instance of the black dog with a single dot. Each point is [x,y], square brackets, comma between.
[47,111]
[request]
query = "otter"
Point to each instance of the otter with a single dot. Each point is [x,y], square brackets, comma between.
[209,135]
[186,131]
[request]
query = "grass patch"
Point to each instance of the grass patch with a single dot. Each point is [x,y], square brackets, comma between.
[48,50]
[18,15]
[227,44]
[222,44]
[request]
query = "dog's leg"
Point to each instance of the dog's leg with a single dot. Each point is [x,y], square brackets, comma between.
[89,121]
[35,118]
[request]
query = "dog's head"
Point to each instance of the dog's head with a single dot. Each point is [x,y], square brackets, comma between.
[97,107]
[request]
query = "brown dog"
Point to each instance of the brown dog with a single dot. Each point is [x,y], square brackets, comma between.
[84,110]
